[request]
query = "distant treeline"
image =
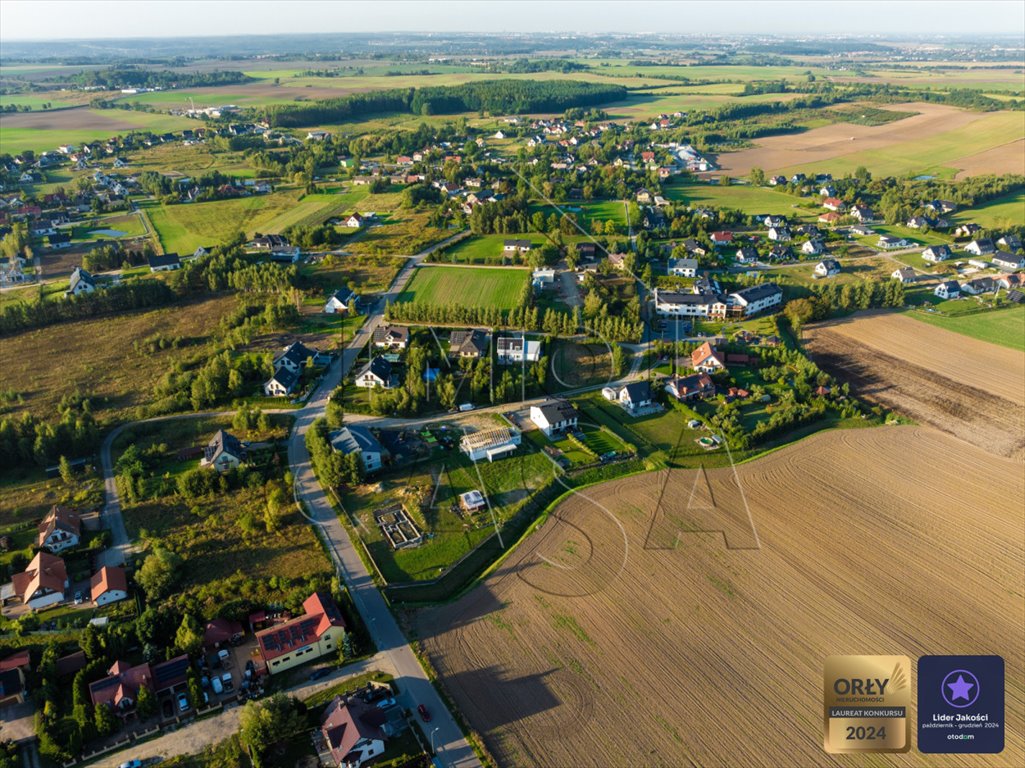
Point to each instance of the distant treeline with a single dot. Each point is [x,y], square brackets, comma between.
[129,77]
[495,96]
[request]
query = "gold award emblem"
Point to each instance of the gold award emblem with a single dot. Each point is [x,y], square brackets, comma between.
[866,703]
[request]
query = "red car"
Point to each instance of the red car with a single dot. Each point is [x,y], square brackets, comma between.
[424,714]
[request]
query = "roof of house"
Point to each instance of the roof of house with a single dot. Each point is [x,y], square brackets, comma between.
[638,391]
[391,334]
[15,660]
[297,353]
[45,572]
[62,519]
[348,721]
[680,297]
[122,682]
[110,578]
[81,276]
[286,378]
[355,438]
[220,631]
[321,614]
[342,296]
[379,367]
[485,438]
[555,411]
[757,292]
[472,342]
[692,383]
[703,353]
[171,672]
[830,264]
[684,263]
[166,260]
[223,442]
[950,286]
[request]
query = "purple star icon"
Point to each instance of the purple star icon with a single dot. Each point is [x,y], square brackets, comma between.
[960,688]
[963,689]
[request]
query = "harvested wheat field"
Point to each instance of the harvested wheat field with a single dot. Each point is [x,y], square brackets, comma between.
[940,134]
[671,620]
[969,388]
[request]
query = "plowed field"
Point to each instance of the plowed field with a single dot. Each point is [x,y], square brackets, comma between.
[969,388]
[683,618]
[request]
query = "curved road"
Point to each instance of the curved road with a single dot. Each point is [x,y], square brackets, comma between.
[452,747]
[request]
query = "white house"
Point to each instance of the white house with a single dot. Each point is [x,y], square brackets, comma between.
[1007,261]
[889,242]
[360,440]
[554,416]
[981,247]
[81,282]
[779,234]
[904,274]
[61,529]
[827,268]
[812,247]
[164,263]
[516,349]
[355,221]
[282,383]
[948,289]
[516,246]
[543,277]
[42,583]
[376,373]
[338,304]
[632,396]
[348,732]
[683,267]
[108,585]
[936,253]
[224,452]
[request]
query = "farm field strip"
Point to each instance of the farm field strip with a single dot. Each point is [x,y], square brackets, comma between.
[466,286]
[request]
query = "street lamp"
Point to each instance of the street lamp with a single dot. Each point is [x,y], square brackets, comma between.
[432,737]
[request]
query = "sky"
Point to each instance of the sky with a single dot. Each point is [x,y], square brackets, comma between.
[84,19]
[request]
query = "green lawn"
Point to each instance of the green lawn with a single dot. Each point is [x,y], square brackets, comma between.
[1008,210]
[485,249]
[603,210]
[186,226]
[750,200]
[23,130]
[1005,327]
[467,287]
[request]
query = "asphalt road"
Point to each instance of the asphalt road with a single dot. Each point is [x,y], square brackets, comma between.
[393,650]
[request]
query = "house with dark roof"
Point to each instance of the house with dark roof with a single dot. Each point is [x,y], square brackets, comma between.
[979,285]
[377,373]
[164,263]
[981,247]
[697,385]
[361,441]
[224,452]
[81,282]
[352,731]
[338,303]
[318,632]
[391,337]
[61,529]
[282,383]
[631,397]
[827,268]
[517,349]
[937,253]
[1008,262]
[554,416]
[949,289]
[471,344]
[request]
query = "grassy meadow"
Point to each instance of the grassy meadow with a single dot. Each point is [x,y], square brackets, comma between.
[466,286]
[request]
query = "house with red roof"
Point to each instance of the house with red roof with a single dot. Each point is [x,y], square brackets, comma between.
[108,585]
[41,584]
[352,731]
[120,689]
[707,359]
[61,529]
[316,633]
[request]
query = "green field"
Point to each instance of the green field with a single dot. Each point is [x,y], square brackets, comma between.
[184,227]
[485,249]
[46,131]
[467,286]
[603,210]
[750,200]
[1005,327]
[1008,210]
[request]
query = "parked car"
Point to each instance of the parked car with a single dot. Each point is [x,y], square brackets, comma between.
[79,599]
[183,702]
[131,764]
[226,681]
[424,714]
[385,703]
[205,682]
[224,657]
[320,672]
[215,683]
